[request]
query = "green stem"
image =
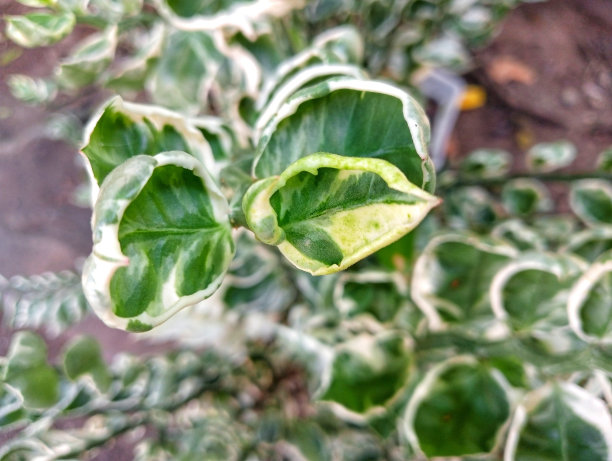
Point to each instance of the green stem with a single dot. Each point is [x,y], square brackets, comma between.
[545,177]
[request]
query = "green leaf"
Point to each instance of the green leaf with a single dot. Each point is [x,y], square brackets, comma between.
[28,372]
[591,243]
[195,67]
[524,197]
[130,74]
[38,3]
[353,118]
[30,90]
[88,60]
[459,408]
[83,357]
[560,422]
[122,130]
[162,240]
[604,160]
[452,277]
[331,53]
[11,406]
[379,294]
[39,29]
[443,51]
[486,163]
[591,200]
[520,235]
[216,15]
[368,371]
[471,208]
[255,280]
[590,302]
[309,76]
[533,289]
[326,212]
[550,156]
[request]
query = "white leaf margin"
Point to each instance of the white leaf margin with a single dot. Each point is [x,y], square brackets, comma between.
[580,292]
[422,390]
[106,257]
[422,283]
[544,262]
[242,16]
[159,117]
[414,115]
[585,406]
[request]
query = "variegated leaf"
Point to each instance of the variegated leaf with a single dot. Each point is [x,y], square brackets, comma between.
[121,130]
[27,370]
[590,302]
[604,160]
[459,408]
[229,14]
[39,29]
[452,276]
[550,156]
[335,47]
[89,60]
[162,240]
[368,371]
[560,421]
[591,200]
[591,243]
[486,163]
[533,290]
[353,118]
[325,212]
[200,72]
[525,197]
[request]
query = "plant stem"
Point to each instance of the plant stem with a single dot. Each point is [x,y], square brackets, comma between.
[546,177]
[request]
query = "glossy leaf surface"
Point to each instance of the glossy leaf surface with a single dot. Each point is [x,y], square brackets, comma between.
[123,130]
[353,118]
[326,212]
[162,240]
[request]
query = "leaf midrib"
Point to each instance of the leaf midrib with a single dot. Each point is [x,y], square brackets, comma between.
[173,231]
[355,206]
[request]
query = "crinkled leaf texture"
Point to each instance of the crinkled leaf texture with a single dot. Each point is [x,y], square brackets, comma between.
[162,240]
[325,212]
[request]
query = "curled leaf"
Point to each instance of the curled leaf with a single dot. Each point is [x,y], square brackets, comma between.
[162,241]
[326,212]
[353,118]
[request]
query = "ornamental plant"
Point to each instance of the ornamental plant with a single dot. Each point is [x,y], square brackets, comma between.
[264,198]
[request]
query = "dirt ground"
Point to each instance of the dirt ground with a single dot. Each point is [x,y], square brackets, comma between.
[547,76]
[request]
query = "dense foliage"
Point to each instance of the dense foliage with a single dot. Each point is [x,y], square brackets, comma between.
[271,210]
